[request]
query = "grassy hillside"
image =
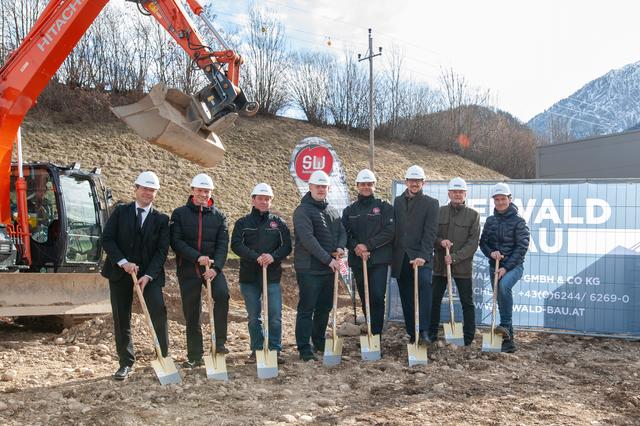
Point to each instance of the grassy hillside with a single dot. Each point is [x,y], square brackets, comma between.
[258,149]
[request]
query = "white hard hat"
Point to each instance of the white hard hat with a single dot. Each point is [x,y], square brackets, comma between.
[365,175]
[202,181]
[415,172]
[319,178]
[500,189]
[457,184]
[262,189]
[148,180]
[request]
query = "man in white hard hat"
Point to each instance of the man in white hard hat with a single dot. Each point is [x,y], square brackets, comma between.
[136,240]
[416,218]
[320,238]
[261,239]
[369,225]
[505,237]
[200,237]
[459,231]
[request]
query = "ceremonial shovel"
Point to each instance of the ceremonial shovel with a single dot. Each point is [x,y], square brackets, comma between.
[164,367]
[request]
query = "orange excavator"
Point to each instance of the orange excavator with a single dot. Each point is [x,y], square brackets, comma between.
[51,217]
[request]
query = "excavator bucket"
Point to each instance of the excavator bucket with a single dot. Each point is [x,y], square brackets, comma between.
[174,121]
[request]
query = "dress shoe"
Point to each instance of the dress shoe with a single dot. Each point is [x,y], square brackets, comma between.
[192,364]
[221,349]
[308,356]
[251,359]
[508,346]
[122,373]
[424,337]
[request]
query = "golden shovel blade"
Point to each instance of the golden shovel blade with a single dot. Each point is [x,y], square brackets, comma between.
[417,354]
[166,371]
[453,333]
[491,342]
[332,352]
[370,347]
[267,363]
[216,367]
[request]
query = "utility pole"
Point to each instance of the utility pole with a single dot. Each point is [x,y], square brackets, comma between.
[370,57]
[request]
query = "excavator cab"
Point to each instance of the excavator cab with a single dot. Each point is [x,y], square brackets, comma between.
[67,210]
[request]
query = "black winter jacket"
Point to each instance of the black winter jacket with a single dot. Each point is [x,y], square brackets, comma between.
[508,233]
[369,221]
[319,232]
[198,231]
[416,221]
[255,234]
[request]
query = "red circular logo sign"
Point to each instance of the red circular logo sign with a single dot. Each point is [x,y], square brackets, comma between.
[274,225]
[312,158]
[376,210]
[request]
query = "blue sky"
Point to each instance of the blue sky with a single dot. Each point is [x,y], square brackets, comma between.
[529,54]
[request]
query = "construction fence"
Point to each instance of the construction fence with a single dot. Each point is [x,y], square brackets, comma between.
[582,271]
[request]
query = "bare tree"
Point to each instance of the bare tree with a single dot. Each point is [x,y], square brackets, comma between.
[309,84]
[267,61]
[348,96]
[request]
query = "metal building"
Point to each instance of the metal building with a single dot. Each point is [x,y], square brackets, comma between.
[610,156]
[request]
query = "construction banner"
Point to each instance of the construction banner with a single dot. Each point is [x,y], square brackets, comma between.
[581,271]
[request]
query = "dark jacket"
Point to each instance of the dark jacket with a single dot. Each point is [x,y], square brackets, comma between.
[369,221]
[461,226]
[319,232]
[198,231]
[416,221]
[118,242]
[508,233]
[258,233]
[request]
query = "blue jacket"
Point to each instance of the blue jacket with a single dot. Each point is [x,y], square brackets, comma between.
[508,233]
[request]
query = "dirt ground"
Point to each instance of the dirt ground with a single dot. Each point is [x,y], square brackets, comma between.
[65,378]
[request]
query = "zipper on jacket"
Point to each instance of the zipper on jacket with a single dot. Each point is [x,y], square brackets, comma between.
[199,239]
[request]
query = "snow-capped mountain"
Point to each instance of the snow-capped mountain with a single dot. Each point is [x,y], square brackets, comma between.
[608,104]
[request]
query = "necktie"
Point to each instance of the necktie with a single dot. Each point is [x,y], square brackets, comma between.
[139,217]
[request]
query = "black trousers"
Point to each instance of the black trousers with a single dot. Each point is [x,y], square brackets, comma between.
[191,292]
[315,300]
[377,275]
[465,291]
[121,293]
[406,288]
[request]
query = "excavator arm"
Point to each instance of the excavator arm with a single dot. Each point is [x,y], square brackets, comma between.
[62,23]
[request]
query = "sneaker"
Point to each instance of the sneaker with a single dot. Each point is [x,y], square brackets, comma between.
[192,364]
[308,356]
[508,346]
[122,373]
[221,349]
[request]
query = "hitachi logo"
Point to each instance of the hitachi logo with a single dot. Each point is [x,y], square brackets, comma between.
[54,30]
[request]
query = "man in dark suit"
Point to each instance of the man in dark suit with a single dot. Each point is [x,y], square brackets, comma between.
[136,240]
[416,218]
